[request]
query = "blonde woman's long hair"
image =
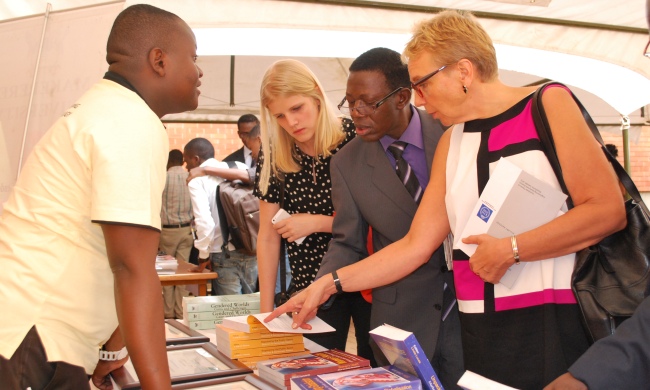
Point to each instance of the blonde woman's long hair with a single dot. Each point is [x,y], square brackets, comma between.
[283,79]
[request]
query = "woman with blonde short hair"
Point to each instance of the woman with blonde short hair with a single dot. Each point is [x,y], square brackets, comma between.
[300,133]
[525,334]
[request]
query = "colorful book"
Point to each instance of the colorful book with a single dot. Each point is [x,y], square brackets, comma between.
[225,333]
[381,378]
[248,324]
[261,351]
[403,350]
[218,302]
[280,371]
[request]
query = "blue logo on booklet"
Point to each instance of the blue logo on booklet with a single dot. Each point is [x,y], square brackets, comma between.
[484,213]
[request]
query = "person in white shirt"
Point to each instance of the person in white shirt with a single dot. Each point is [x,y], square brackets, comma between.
[79,233]
[237,271]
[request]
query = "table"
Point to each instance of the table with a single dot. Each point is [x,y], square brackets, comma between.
[184,275]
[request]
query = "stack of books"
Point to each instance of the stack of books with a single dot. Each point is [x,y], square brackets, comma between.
[246,339]
[280,371]
[206,312]
[166,265]
[381,378]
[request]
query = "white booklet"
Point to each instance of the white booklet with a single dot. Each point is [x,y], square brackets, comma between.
[513,202]
[472,381]
[283,324]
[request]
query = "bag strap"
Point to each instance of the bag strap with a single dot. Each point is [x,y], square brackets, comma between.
[223,221]
[283,264]
[546,137]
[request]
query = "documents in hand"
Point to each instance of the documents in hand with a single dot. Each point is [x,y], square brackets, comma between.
[403,350]
[513,202]
[282,215]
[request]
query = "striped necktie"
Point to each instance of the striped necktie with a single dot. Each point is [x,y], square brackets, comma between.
[404,170]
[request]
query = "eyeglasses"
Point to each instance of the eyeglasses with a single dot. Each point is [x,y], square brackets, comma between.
[646,52]
[367,109]
[417,86]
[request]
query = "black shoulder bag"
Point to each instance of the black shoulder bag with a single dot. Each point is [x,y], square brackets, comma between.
[611,278]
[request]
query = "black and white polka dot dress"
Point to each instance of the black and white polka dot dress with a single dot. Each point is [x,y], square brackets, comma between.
[303,194]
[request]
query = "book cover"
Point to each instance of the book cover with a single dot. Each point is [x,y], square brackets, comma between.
[231,345]
[381,378]
[403,350]
[261,351]
[211,303]
[225,333]
[248,324]
[281,370]
[221,314]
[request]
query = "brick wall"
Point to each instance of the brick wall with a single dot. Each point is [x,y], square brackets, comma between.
[639,156]
[222,135]
[225,140]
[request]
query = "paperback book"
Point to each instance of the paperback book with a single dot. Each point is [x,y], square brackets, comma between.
[403,350]
[381,378]
[220,302]
[280,371]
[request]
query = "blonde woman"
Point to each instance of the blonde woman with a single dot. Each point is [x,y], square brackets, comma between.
[300,133]
[526,335]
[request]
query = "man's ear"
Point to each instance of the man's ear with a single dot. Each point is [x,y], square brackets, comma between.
[158,60]
[404,98]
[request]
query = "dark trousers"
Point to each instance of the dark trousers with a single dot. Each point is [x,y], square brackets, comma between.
[28,367]
[345,307]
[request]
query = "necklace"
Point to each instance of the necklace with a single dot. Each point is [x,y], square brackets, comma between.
[313,168]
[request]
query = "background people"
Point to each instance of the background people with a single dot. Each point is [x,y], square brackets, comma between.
[238,271]
[300,133]
[80,230]
[245,124]
[526,336]
[176,236]
[367,192]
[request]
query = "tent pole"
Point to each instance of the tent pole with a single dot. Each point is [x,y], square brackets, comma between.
[232,81]
[48,8]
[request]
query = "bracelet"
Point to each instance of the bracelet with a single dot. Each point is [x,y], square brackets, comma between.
[337,283]
[515,249]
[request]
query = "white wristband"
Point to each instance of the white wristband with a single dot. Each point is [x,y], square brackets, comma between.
[111,356]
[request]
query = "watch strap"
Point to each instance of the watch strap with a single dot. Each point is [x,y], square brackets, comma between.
[112,356]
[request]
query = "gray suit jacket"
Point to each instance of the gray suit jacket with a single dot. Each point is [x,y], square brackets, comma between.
[367,192]
[622,360]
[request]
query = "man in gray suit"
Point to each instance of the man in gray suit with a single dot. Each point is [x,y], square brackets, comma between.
[367,193]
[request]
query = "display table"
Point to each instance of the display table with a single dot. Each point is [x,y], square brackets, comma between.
[184,275]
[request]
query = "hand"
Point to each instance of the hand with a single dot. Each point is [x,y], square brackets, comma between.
[203,264]
[299,225]
[492,258]
[566,382]
[304,304]
[194,173]
[101,378]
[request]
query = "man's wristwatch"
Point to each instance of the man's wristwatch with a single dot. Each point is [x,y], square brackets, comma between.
[111,356]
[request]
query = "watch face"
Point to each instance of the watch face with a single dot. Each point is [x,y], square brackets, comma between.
[123,353]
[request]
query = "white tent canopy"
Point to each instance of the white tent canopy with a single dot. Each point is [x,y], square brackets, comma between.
[592,45]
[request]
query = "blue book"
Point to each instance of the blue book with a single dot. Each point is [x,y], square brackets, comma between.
[402,350]
[380,378]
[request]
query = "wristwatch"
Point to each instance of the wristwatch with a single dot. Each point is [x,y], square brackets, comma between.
[111,356]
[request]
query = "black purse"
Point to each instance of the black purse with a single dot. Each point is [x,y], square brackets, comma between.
[611,278]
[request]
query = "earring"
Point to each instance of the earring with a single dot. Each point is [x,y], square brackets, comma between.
[465,89]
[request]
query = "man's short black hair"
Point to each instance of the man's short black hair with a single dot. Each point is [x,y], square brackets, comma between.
[247,118]
[200,147]
[175,157]
[388,62]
